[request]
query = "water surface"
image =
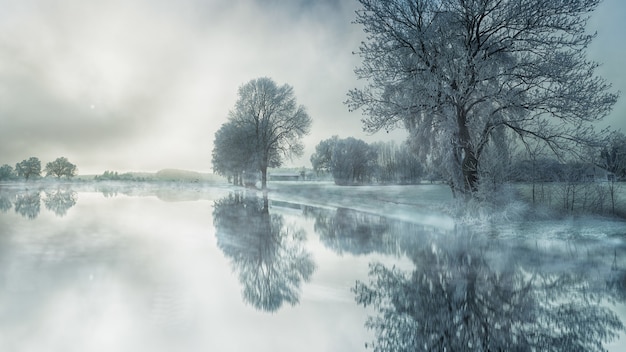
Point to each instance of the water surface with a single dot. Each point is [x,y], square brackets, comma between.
[103,268]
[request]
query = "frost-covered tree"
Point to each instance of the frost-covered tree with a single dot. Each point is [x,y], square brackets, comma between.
[354,161]
[454,72]
[613,155]
[61,167]
[274,120]
[321,160]
[397,164]
[28,168]
[350,160]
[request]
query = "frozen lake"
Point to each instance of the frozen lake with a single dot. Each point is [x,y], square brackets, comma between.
[103,268]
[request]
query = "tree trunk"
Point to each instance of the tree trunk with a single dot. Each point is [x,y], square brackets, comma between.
[266,203]
[469,164]
[470,171]
[264,177]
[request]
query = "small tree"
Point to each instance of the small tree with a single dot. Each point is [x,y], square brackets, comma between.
[6,172]
[321,160]
[233,152]
[613,155]
[28,168]
[350,160]
[60,167]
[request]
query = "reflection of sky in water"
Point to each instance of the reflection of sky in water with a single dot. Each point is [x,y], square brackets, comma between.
[136,273]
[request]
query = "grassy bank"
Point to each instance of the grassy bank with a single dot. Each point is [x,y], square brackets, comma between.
[605,198]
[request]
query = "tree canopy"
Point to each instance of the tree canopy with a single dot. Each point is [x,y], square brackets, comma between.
[6,172]
[460,74]
[28,168]
[350,160]
[60,167]
[231,154]
[265,126]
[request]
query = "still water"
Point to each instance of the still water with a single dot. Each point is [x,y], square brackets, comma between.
[98,268]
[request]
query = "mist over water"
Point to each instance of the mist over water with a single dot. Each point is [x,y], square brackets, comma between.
[104,268]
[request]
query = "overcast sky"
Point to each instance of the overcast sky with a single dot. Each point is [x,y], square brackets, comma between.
[141,85]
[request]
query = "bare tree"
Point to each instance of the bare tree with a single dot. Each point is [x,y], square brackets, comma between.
[454,72]
[613,155]
[274,119]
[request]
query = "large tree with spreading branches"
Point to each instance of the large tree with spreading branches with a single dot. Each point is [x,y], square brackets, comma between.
[461,75]
[271,124]
[61,167]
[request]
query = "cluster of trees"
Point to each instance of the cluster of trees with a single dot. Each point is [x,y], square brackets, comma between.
[31,168]
[467,78]
[352,161]
[115,176]
[265,127]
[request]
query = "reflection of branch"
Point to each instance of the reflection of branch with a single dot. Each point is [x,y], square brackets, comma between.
[5,203]
[454,300]
[60,201]
[268,255]
[28,204]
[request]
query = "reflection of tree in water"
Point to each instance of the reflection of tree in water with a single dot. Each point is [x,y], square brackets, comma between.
[458,298]
[616,280]
[28,204]
[60,200]
[267,253]
[5,201]
[347,230]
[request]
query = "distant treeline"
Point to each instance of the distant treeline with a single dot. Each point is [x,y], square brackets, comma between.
[31,169]
[172,175]
[116,176]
